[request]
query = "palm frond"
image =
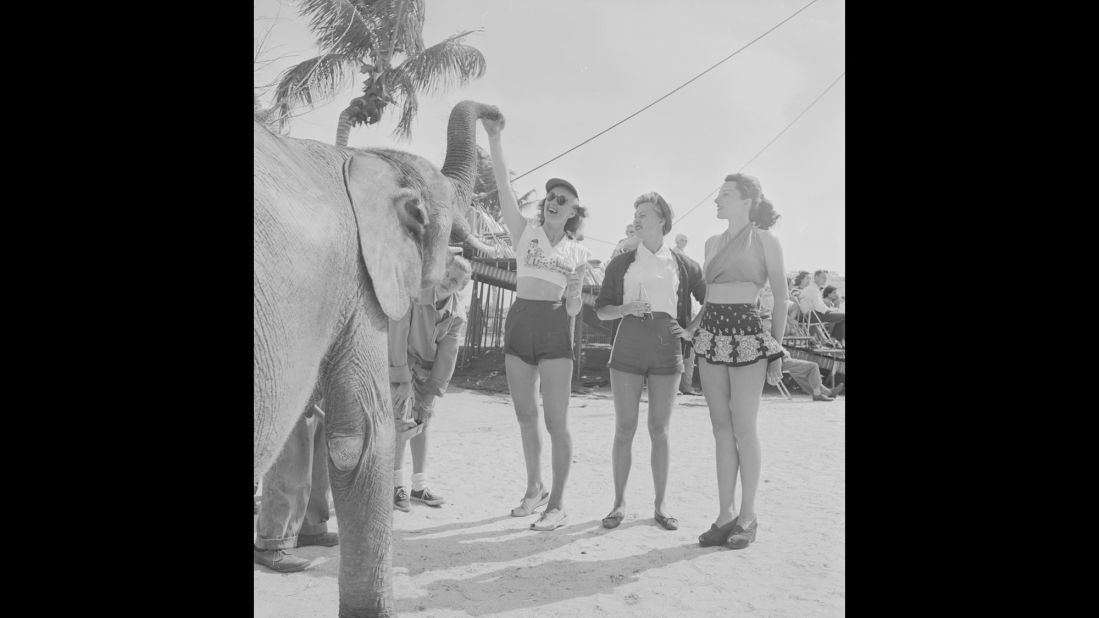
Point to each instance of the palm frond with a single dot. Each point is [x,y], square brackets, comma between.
[403,90]
[313,82]
[343,26]
[365,28]
[445,64]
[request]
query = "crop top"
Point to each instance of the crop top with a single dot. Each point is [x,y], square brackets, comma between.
[737,259]
[536,257]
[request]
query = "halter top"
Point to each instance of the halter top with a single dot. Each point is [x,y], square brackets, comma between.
[737,259]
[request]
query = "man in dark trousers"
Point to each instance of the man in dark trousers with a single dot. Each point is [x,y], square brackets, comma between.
[293,510]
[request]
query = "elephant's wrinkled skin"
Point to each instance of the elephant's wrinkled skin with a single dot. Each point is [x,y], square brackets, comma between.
[342,239]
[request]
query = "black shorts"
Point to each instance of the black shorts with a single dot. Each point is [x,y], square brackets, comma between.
[536,330]
[646,346]
[732,334]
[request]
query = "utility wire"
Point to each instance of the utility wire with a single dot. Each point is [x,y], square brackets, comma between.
[773,140]
[712,67]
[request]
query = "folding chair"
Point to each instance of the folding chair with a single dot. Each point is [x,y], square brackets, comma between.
[782,387]
[813,326]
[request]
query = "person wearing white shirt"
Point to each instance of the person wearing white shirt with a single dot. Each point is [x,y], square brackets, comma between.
[648,288]
[813,300]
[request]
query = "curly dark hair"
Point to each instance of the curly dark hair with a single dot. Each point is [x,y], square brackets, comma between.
[762,212]
[572,225]
[802,274]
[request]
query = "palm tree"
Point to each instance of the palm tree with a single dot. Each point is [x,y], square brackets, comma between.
[365,36]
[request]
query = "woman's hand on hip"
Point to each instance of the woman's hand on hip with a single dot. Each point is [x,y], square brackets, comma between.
[774,372]
[681,332]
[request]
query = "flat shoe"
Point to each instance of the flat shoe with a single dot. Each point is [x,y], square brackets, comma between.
[741,537]
[669,523]
[612,520]
[524,511]
[716,536]
[550,520]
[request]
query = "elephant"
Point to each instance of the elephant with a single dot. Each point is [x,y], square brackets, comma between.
[342,240]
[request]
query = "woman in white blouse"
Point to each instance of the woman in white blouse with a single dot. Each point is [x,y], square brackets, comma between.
[649,288]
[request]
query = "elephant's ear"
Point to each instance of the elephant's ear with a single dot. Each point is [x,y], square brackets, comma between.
[392,222]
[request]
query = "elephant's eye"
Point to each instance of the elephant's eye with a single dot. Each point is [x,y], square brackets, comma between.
[415,217]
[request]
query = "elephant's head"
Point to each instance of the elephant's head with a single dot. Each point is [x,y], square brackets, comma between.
[407,210]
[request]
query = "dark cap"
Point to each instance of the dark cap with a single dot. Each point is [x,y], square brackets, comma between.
[559,182]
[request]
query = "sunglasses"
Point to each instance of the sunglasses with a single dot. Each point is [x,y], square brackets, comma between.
[561,199]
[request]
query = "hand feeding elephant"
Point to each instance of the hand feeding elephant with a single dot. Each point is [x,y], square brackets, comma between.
[342,239]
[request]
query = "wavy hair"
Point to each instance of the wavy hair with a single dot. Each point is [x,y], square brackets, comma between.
[572,225]
[662,207]
[762,211]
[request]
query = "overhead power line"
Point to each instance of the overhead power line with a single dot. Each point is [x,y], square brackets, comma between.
[773,140]
[680,87]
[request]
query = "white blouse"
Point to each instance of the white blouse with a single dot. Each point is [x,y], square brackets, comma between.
[653,277]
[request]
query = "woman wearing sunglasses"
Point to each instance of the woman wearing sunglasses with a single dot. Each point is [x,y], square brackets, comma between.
[650,288]
[537,333]
[735,354]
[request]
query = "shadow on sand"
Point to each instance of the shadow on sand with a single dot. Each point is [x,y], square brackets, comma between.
[518,586]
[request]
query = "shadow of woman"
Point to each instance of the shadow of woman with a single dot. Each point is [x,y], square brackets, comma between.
[459,525]
[419,552]
[522,587]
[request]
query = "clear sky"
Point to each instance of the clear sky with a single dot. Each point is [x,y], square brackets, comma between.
[562,71]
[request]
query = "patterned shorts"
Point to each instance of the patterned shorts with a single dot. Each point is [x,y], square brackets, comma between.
[733,335]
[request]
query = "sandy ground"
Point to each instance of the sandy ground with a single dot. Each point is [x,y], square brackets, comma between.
[470,558]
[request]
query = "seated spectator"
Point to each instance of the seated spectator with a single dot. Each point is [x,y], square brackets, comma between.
[794,305]
[812,300]
[807,375]
[831,297]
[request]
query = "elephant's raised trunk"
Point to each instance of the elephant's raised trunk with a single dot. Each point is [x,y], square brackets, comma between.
[343,127]
[461,158]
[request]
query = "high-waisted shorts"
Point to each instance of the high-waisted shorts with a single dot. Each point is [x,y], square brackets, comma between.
[647,346]
[732,334]
[536,330]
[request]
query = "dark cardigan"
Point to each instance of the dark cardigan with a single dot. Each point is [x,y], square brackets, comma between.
[690,282]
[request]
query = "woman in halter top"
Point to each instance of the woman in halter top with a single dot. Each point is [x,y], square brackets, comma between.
[735,354]
[537,331]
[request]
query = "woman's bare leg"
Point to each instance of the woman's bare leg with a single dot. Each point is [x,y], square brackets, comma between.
[556,376]
[715,386]
[662,389]
[523,384]
[627,399]
[747,385]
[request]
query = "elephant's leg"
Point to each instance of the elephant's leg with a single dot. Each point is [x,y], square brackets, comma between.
[360,447]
